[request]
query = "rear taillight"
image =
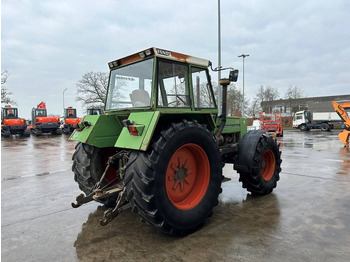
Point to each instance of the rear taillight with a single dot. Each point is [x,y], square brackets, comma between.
[133,130]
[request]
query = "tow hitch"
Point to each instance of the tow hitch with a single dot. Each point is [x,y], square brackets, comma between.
[112,213]
[108,190]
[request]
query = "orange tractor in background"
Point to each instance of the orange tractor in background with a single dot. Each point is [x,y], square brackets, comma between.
[43,124]
[11,124]
[344,116]
[70,120]
[271,122]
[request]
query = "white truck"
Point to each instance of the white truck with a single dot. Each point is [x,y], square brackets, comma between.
[305,120]
[256,125]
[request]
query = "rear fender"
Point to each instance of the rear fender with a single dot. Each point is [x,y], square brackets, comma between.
[246,150]
[101,131]
[148,122]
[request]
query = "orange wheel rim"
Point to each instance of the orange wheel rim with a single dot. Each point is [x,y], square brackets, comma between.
[187,176]
[268,163]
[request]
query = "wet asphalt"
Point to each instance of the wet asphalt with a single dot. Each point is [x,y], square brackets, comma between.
[306,218]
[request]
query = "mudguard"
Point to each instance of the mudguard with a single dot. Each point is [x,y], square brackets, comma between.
[246,150]
[147,120]
[108,131]
[100,131]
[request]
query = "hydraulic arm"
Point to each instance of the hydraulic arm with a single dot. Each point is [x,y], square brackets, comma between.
[341,110]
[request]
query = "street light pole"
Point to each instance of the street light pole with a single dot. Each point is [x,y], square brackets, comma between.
[63,100]
[243,56]
[219,59]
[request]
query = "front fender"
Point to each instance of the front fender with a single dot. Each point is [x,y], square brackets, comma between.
[246,151]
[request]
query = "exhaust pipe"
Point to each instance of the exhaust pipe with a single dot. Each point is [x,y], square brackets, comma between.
[224,83]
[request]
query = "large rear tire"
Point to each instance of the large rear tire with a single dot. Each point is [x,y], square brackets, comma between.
[266,166]
[89,163]
[174,186]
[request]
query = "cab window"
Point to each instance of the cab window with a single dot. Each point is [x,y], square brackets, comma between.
[202,92]
[173,84]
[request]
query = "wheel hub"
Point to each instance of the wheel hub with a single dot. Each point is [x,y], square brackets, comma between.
[181,173]
[180,176]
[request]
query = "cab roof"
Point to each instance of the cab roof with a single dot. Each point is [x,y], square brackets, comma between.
[153,51]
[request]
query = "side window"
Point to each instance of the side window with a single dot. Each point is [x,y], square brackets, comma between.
[173,85]
[299,116]
[202,95]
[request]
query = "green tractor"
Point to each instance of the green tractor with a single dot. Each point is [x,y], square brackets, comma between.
[160,146]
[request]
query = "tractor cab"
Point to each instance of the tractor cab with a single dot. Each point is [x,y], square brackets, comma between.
[9,112]
[160,79]
[95,111]
[302,118]
[70,112]
[38,112]
[70,121]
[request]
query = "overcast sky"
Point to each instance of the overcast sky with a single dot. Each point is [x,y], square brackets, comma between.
[48,46]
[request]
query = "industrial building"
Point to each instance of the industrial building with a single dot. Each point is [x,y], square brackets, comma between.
[315,104]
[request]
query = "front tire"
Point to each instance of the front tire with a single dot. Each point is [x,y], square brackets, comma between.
[89,163]
[303,127]
[266,167]
[174,186]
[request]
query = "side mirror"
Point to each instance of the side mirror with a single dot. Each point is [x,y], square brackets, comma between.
[233,75]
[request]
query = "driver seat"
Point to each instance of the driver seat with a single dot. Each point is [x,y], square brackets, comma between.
[140,97]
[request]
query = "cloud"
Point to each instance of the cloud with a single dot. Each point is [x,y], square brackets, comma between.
[47,46]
